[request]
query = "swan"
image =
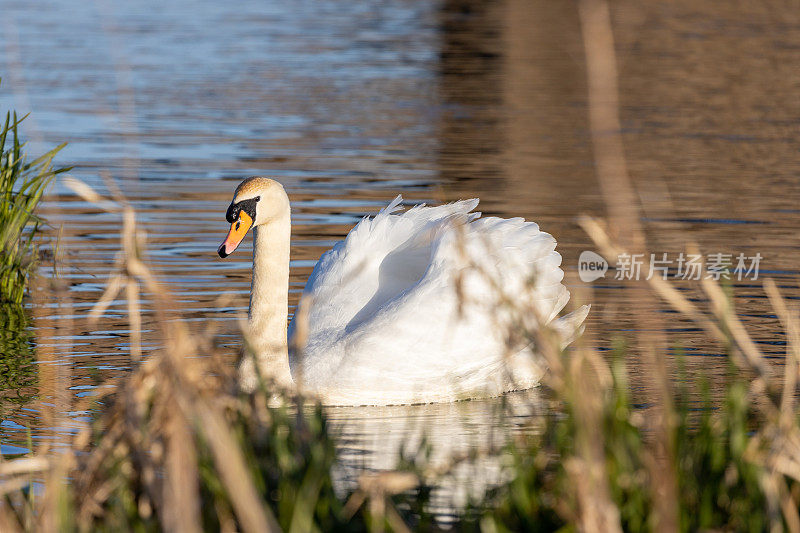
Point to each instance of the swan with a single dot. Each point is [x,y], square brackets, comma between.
[408,308]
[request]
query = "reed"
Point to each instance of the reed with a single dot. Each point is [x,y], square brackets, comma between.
[22,184]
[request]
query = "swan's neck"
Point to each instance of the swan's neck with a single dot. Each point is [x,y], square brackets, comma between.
[269,298]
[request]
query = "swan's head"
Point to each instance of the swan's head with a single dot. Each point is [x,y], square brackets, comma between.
[257,201]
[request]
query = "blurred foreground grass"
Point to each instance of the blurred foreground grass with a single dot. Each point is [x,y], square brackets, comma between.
[178,447]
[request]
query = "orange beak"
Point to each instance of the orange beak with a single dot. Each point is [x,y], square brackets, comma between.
[235,235]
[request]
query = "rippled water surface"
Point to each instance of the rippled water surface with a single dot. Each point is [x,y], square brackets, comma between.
[349,104]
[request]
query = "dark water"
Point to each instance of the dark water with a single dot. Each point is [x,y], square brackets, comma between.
[349,104]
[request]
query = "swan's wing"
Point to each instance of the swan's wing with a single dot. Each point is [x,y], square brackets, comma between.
[380,258]
[434,320]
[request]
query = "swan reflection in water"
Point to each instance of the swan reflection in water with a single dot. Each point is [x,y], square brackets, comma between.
[371,439]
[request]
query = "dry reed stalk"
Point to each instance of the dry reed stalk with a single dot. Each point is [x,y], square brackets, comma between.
[589,384]
[785,460]
[24,465]
[584,384]
[603,97]
[790,321]
[53,377]
[723,309]
[587,468]
[624,216]
[8,522]
[297,343]
[181,500]
[376,489]
[251,511]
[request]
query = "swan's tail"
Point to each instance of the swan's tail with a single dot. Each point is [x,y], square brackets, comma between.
[570,326]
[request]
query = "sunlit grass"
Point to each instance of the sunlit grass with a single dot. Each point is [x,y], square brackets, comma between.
[22,184]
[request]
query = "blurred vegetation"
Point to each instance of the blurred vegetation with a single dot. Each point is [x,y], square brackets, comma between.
[178,447]
[287,453]
[720,486]
[22,183]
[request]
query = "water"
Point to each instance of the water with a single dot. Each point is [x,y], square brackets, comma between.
[350,104]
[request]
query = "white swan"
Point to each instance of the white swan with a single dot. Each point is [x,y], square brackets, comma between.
[409,308]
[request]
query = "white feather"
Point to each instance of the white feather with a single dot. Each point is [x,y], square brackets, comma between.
[388,325]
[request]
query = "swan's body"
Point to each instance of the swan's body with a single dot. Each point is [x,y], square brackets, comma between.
[409,308]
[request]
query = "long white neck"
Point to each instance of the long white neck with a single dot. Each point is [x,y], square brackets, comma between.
[269,298]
